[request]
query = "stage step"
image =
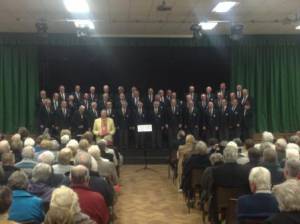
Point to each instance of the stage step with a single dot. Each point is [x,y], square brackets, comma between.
[138,156]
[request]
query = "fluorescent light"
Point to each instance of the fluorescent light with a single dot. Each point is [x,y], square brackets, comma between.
[84,23]
[298,27]
[208,25]
[77,6]
[224,6]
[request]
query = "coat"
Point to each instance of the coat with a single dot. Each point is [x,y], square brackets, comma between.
[98,129]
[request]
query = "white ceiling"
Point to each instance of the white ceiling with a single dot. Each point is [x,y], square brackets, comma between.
[140,17]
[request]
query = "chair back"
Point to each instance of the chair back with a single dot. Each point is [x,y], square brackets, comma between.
[225,194]
[196,178]
[231,212]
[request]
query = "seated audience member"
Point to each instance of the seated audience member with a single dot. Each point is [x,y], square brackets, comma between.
[254,155]
[270,162]
[65,209]
[91,203]
[199,159]
[267,137]
[29,142]
[15,137]
[182,153]
[73,145]
[23,132]
[294,139]
[287,195]
[46,157]
[64,162]
[280,146]
[108,152]
[25,206]
[89,137]
[8,165]
[292,169]
[64,140]
[45,145]
[27,163]
[96,183]
[4,147]
[84,145]
[105,168]
[5,202]
[261,204]
[39,183]
[16,147]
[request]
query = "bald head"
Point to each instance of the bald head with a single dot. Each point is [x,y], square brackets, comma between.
[79,175]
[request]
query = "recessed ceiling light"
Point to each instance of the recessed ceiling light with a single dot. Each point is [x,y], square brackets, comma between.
[84,23]
[77,6]
[210,25]
[298,27]
[224,6]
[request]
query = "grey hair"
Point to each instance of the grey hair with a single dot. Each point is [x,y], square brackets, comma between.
[267,137]
[266,145]
[261,177]
[28,152]
[292,168]
[41,172]
[270,155]
[95,152]
[201,148]
[281,144]
[216,157]
[18,180]
[46,157]
[102,144]
[230,154]
[294,139]
[288,195]
[83,158]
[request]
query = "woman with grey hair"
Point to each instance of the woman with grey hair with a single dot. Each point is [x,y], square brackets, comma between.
[25,206]
[288,197]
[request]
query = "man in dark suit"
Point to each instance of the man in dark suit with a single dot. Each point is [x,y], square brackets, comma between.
[224,121]
[93,96]
[156,118]
[238,92]
[79,122]
[102,102]
[247,122]
[123,122]
[211,121]
[191,119]
[261,204]
[110,110]
[193,94]
[173,121]
[46,116]
[93,114]
[119,100]
[168,98]
[77,96]
[42,98]
[85,101]
[62,93]
[245,97]
[55,101]
[235,119]
[140,117]
[209,94]
[71,105]
[149,99]
[62,117]
[223,90]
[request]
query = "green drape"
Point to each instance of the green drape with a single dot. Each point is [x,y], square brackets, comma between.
[19,86]
[272,74]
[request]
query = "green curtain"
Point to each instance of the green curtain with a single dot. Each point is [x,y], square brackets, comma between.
[272,74]
[19,84]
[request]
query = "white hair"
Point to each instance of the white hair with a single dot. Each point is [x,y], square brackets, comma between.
[292,146]
[288,195]
[230,154]
[281,144]
[73,144]
[261,177]
[41,172]
[64,139]
[55,145]
[233,144]
[257,146]
[291,153]
[28,152]
[4,146]
[201,148]
[94,151]
[46,157]
[29,142]
[267,137]
[292,168]
[16,137]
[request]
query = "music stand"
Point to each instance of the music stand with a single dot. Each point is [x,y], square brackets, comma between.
[145,128]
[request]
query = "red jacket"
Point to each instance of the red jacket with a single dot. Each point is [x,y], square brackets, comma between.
[92,204]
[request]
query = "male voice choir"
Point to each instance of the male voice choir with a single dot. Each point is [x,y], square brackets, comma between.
[221,114]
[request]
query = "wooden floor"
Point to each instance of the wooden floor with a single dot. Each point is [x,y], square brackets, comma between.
[149,197]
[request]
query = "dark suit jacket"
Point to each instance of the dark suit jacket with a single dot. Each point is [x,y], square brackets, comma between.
[45,118]
[139,118]
[157,120]
[212,121]
[79,123]
[247,118]
[235,117]
[173,119]
[258,205]
[123,120]
[62,121]
[285,218]
[192,119]
[224,117]
[277,176]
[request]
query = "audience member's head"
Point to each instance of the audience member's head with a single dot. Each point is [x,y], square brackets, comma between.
[249,143]
[266,145]
[4,146]
[180,134]
[292,169]
[65,156]
[28,153]
[288,196]
[95,152]
[84,145]
[73,145]
[80,175]
[16,146]
[280,145]
[41,173]
[190,139]
[292,154]
[84,159]
[200,148]
[23,131]
[102,144]
[260,179]
[54,145]
[294,139]
[254,154]
[65,132]
[230,154]
[18,180]
[88,136]
[5,199]
[292,146]
[8,159]
[267,137]
[29,142]
[64,139]
[46,144]
[46,157]
[15,137]
[270,155]
[216,159]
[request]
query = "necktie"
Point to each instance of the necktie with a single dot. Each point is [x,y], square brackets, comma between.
[173,109]
[64,112]
[156,110]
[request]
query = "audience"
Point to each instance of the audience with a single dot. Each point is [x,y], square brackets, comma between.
[261,204]
[8,165]
[5,202]
[64,161]
[27,163]
[91,203]
[25,206]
